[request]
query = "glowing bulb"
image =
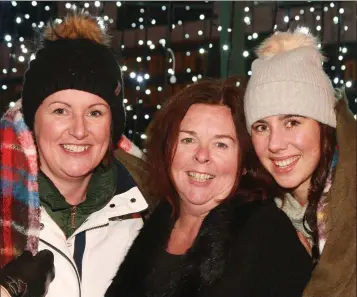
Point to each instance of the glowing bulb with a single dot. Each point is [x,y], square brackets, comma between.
[34,3]
[202,17]
[7,37]
[47,8]
[21,58]
[225,47]
[139,79]
[245,54]
[200,32]
[132,74]
[202,51]
[348,84]
[118,3]
[18,20]
[147,92]
[96,3]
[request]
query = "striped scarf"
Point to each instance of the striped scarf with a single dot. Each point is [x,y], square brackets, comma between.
[19,197]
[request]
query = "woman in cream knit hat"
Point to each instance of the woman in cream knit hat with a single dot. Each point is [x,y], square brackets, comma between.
[305,137]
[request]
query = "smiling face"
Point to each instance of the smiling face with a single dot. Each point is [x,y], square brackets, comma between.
[205,163]
[72,130]
[289,148]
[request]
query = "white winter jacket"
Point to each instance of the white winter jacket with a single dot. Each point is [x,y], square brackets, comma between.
[97,247]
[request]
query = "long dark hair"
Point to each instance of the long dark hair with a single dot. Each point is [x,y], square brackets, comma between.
[317,184]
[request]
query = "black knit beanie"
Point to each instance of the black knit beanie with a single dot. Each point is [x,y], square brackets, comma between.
[80,64]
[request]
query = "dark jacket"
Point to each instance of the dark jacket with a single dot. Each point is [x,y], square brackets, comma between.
[240,250]
[138,170]
[335,274]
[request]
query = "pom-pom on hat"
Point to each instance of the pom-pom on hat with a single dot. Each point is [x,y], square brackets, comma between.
[75,54]
[288,78]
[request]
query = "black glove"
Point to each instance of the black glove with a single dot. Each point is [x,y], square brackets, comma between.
[27,275]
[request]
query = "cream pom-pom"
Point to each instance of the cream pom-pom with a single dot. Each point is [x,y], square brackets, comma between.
[286,41]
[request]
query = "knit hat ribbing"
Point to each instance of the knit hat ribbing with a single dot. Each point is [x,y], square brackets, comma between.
[75,55]
[288,78]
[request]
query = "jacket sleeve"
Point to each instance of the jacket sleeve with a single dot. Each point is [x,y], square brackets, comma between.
[285,266]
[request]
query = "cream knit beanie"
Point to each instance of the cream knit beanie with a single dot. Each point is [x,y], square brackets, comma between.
[288,78]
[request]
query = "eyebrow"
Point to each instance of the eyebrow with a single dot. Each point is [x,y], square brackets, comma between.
[287,116]
[90,106]
[217,136]
[281,117]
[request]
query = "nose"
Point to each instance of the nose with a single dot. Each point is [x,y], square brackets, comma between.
[202,155]
[78,127]
[277,141]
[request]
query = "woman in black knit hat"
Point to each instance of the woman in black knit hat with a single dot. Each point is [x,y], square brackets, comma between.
[64,191]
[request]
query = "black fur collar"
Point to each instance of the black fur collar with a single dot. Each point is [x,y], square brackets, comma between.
[201,266]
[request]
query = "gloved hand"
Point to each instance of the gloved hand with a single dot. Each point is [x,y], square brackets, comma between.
[27,275]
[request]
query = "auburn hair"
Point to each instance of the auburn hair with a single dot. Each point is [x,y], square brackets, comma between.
[163,131]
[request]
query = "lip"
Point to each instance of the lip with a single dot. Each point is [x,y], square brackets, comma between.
[194,182]
[286,169]
[76,154]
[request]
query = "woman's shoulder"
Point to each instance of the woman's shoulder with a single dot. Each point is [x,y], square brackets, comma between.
[262,217]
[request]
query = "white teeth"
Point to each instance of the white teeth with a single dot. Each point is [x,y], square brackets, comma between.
[286,162]
[75,148]
[200,177]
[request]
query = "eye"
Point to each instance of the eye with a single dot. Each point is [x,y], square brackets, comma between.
[59,111]
[187,140]
[292,123]
[221,145]
[95,113]
[260,128]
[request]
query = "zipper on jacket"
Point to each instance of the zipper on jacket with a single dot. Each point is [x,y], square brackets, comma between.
[69,260]
[73,217]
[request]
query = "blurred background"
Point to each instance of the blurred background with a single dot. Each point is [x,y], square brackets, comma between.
[162,46]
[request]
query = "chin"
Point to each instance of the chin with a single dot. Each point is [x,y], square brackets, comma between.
[288,183]
[78,173]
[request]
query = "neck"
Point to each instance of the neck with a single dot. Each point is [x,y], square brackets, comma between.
[301,193]
[190,220]
[73,190]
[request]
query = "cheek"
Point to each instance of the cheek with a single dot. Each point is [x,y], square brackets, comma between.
[48,130]
[181,159]
[309,143]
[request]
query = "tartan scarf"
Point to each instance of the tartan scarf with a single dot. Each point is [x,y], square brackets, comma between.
[19,197]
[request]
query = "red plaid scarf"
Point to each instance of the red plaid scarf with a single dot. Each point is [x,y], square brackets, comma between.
[19,197]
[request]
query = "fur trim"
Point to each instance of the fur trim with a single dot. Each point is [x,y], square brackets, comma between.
[287,41]
[79,25]
[203,265]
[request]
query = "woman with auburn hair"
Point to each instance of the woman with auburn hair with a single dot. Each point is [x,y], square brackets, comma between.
[212,234]
[305,136]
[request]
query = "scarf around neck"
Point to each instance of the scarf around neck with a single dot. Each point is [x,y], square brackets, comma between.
[19,190]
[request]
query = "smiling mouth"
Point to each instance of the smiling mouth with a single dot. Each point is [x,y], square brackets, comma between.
[75,148]
[199,177]
[286,163]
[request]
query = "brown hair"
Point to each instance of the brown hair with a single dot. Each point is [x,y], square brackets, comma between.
[318,180]
[164,129]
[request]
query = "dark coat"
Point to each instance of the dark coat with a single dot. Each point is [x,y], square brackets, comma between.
[335,274]
[240,250]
